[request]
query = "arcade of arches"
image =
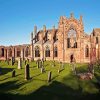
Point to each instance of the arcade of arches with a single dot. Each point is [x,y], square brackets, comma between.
[66,43]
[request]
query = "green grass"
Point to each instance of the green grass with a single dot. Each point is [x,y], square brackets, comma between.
[64,85]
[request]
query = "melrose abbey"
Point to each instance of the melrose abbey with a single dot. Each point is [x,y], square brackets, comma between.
[67,42]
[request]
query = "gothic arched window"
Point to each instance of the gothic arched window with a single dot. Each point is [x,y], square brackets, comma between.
[2,52]
[87,51]
[37,51]
[47,51]
[27,52]
[18,52]
[71,39]
[55,52]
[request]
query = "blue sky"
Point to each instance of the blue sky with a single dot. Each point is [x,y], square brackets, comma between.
[18,17]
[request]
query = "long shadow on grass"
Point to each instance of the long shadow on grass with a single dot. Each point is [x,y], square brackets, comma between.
[55,91]
[5,70]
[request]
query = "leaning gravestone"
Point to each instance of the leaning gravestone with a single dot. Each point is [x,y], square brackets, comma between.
[13,73]
[19,63]
[27,72]
[49,76]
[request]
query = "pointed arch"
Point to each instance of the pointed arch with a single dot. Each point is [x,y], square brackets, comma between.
[47,51]
[18,52]
[87,51]
[37,51]
[2,52]
[10,52]
[71,38]
[27,51]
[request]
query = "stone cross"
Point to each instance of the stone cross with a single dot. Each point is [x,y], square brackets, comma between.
[27,72]
[49,76]
[19,63]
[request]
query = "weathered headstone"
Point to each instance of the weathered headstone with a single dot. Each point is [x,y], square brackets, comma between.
[62,66]
[13,73]
[0,71]
[27,72]
[28,60]
[19,63]
[8,61]
[49,76]
[42,69]
[12,61]
[58,70]
[38,64]
[25,62]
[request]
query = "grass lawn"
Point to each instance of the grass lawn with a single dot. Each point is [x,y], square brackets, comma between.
[64,85]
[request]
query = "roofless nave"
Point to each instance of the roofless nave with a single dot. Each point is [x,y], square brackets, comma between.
[67,42]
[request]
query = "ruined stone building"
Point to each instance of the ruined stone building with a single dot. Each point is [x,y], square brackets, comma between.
[67,42]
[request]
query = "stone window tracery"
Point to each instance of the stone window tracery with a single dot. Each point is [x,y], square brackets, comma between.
[37,51]
[71,40]
[47,51]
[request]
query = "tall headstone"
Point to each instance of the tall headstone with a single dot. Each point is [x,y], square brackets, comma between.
[13,73]
[12,61]
[38,64]
[19,63]
[27,72]
[49,76]
[8,61]
[25,62]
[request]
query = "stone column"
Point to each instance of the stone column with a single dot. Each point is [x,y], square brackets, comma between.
[22,54]
[52,46]
[5,54]
[32,52]
[13,52]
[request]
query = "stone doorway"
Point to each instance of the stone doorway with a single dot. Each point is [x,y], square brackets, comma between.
[71,58]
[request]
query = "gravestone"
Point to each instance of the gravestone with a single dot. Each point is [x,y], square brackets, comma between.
[12,61]
[0,71]
[27,72]
[73,66]
[8,61]
[25,62]
[58,70]
[42,70]
[49,76]
[38,64]
[13,73]
[62,66]
[19,63]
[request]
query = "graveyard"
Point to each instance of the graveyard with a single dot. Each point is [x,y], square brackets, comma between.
[50,81]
